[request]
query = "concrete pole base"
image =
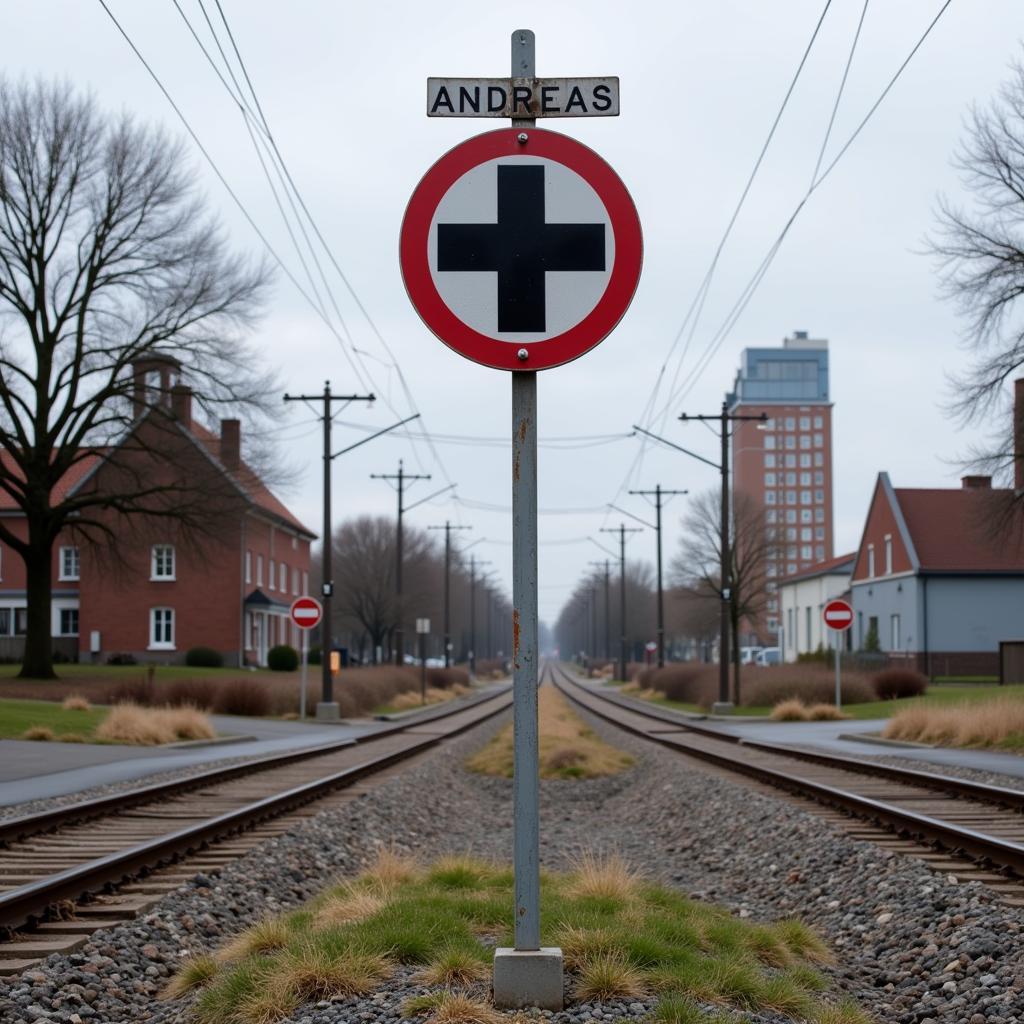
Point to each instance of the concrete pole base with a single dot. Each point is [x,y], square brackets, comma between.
[530,977]
[327,712]
[723,707]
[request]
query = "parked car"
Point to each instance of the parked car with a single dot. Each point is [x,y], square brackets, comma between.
[748,655]
[768,656]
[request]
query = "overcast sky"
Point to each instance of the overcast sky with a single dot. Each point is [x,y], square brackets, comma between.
[342,86]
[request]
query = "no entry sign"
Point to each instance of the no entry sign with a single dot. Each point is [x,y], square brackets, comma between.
[838,615]
[521,249]
[306,612]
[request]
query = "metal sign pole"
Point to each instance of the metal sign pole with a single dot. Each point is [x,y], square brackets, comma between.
[526,778]
[839,693]
[305,661]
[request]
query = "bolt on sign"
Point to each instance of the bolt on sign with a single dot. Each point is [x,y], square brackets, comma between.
[522,97]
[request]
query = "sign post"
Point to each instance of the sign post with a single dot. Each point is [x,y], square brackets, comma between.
[521,250]
[305,613]
[422,629]
[838,616]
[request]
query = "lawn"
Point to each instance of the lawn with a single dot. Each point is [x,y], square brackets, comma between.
[939,694]
[18,715]
[622,937]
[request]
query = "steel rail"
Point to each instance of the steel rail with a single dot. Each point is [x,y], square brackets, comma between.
[30,901]
[14,829]
[990,849]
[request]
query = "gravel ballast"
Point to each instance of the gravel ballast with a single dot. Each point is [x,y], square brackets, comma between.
[913,946]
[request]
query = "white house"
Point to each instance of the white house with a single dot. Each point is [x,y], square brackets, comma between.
[802,597]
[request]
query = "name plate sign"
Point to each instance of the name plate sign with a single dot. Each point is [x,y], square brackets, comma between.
[523,97]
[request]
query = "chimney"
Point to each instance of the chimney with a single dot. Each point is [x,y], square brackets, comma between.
[977,483]
[1018,435]
[181,404]
[231,444]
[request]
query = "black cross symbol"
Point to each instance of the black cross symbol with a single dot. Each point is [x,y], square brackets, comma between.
[521,247]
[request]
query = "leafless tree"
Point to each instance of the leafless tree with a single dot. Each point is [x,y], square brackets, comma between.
[108,258]
[980,252]
[697,565]
[692,616]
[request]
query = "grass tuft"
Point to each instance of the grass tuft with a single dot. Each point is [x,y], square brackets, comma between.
[803,941]
[72,737]
[454,967]
[347,905]
[609,976]
[676,1009]
[75,702]
[132,723]
[390,869]
[197,972]
[844,1012]
[825,713]
[266,936]
[791,710]
[311,973]
[42,733]
[992,723]
[604,878]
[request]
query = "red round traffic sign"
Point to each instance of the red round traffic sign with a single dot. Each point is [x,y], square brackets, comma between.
[838,615]
[306,612]
[521,255]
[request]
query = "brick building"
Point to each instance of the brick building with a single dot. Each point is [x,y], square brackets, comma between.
[168,586]
[936,580]
[785,463]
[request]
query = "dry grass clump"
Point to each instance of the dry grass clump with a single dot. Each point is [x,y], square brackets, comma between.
[196,972]
[72,737]
[265,936]
[992,723]
[311,973]
[796,711]
[609,976]
[606,877]
[390,870]
[42,733]
[347,905]
[568,749]
[766,686]
[414,699]
[454,967]
[452,1008]
[75,702]
[130,723]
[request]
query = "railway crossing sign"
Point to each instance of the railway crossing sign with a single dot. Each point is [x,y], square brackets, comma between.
[521,249]
[306,612]
[838,615]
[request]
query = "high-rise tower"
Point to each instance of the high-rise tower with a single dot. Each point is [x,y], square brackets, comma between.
[785,463]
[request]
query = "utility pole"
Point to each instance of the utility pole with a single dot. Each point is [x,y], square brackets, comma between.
[607,608]
[447,584]
[327,709]
[724,418]
[622,530]
[593,623]
[403,478]
[473,565]
[658,494]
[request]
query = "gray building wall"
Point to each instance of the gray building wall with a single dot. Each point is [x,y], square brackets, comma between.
[899,595]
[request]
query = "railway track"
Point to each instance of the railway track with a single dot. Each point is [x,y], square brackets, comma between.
[57,869]
[950,820]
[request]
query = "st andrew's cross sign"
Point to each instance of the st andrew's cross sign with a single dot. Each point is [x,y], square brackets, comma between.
[521,249]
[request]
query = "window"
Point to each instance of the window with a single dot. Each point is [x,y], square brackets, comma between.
[769,443]
[790,441]
[769,424]
[771,569]
[807,635]
[69,563]
[790,497]
[819,552]
[305,582]
[817,423]
[259,570]
[248,567]
[819,497]
[819,533]
[806,552]
[771,587]
[773,604]
[790,423]
[790,533]
[805,479]
[773,624]
[271,576]
[871,560]
[806,533]
[790,515]
[771,516]
[791,479]
[819,458]
[295,543]
[888,555]
[20,621]
[161,628]
[805,497]
[282,578]
[805,515]
[895,629]
[805,422]
[805,440]
[5,621]
[789,628]
[791,551]
[819,478]
[295,581]
[769,497]
[818,440]
[769,479]
[790,462]
[819,515]
[805,460]
[69,622]
[161,565]
[769,462]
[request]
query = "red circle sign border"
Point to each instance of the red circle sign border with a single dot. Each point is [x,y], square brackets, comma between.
[481,348]
[838,604]
[305,602]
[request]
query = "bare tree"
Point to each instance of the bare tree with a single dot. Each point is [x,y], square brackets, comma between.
[108,259]
[980,251]
[697,564]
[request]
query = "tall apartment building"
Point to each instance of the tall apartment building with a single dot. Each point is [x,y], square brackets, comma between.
[785,463]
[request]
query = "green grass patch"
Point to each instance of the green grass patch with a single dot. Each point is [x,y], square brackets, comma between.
[622,936]
[17,716]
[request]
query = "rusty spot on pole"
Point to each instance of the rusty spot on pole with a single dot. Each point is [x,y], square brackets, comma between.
[523,424]
[515,637]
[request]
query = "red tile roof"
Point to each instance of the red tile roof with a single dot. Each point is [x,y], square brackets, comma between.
[951,529]
[840,564]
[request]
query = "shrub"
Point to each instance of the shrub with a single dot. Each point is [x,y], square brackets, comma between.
[688,683]
[899,682]
[789,711]
[825,713]
[313,655]
[75,702]
[197,692]
[811,684]
[871,641]
[204,657]
[282,658]
[38,732]
[443,678]
[132,691]
[242,697]
[121,659]
[821,654]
